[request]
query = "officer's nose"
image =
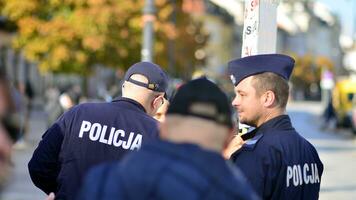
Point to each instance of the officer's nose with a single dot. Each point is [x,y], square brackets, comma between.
[236,102]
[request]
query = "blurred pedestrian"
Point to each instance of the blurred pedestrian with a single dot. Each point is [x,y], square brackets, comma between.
[22,110]
[91,133]
[53,108]
[6,102]
[277,161]
[29,93]
[329,115]
[5,156]
[186,163]
[8,129]
[8,112]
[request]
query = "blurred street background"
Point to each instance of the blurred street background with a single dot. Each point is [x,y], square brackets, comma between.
[62,53]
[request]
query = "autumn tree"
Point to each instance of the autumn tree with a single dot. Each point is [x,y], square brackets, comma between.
[307,71]
[74,35]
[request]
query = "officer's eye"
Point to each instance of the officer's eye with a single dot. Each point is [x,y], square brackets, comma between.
[241,94]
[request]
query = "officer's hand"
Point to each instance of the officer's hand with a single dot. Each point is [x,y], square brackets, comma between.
[50,196]
[234,145]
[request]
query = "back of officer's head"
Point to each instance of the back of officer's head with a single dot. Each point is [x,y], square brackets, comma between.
[145,83]
[199,113]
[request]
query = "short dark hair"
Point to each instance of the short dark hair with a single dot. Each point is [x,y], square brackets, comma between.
[275,83]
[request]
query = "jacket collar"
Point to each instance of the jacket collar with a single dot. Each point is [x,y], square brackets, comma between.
[280,123]
[130,102]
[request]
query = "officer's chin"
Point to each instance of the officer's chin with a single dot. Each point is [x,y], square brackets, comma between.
[247,122]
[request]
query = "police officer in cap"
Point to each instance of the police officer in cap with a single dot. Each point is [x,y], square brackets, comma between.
[277,161]
[93,133]
[186,164]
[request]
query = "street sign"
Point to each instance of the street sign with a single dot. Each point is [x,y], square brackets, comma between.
[260,27]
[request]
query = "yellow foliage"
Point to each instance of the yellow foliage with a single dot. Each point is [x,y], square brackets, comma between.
[324,62]
[170,30]
[28,25]
[96,2]
[55,2]
[81,57]
[308,68]
[61,53]
[73,35]
[160,2]
[93,42]
[165,13]
[123,53]
[124,34]
[15,9]
[135,22]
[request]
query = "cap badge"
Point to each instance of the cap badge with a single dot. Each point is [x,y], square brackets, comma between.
[233,79]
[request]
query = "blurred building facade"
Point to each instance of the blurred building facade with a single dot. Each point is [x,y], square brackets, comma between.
[309,28]
[305,29]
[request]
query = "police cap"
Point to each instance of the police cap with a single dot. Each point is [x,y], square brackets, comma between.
[202,98]
[157,78]
[242,68]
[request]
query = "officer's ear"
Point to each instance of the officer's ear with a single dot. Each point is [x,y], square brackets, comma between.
[268,98]
[157,102]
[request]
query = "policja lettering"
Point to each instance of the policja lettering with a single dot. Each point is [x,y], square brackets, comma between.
[299,176]
[98,132]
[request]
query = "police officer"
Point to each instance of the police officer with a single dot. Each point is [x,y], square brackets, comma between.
[92,133]
[186,164]
[277,161]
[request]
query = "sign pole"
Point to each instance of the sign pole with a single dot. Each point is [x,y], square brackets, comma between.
[260,27]
[260,31]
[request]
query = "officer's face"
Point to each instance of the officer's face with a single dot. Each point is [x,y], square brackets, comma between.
[247,102]
[161,112]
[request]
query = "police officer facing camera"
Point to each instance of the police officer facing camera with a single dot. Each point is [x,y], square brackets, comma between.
[186,163]
[93,133]
[277,161]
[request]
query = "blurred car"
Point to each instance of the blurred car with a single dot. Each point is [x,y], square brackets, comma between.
[344,101]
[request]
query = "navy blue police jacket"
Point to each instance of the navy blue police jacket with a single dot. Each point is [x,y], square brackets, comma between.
[280,163]
[163,170]
[86,135]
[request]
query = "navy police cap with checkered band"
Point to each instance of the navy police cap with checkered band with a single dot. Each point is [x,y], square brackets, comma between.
[242,68]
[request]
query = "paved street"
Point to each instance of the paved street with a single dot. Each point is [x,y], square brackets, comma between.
[336,148]
[20,186]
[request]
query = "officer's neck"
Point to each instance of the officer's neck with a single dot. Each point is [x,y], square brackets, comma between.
[268,115]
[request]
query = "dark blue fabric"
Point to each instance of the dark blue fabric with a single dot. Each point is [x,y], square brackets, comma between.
[157,78]
[79,140]
[164,170]
[242,68]
[202,91]
[275,151]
